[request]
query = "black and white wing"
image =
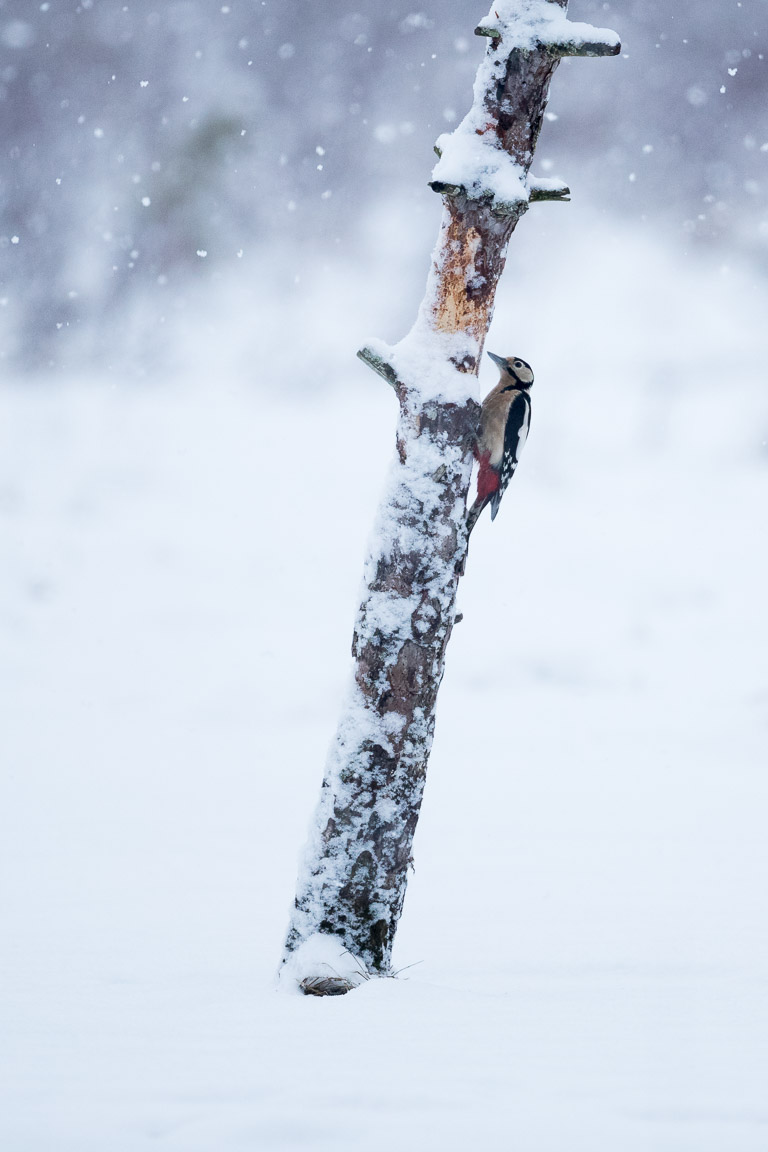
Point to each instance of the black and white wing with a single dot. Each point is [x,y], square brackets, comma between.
[515,434]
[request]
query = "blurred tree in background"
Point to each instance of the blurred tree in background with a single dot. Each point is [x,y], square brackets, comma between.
[147,147]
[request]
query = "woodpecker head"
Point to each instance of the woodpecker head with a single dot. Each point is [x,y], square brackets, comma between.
[514,371]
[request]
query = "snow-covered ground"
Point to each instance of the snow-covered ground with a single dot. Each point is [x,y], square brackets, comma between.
[585,938]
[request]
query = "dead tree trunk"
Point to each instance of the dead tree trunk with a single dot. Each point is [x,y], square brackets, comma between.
[352,884]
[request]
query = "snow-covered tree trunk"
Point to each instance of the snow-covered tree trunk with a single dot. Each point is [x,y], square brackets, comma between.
[353,881]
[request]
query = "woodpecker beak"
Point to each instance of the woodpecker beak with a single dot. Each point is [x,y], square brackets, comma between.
[500,360]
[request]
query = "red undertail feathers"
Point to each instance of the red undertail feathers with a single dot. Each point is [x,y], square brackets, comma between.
[487,478]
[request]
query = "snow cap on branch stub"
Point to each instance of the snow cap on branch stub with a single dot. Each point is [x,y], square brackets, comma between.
[541,25]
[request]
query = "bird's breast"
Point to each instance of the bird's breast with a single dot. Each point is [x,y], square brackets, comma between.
[492,440]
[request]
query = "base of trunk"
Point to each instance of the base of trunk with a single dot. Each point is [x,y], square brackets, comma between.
[326,986]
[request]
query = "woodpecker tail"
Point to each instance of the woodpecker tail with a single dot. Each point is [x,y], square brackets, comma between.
[474,514]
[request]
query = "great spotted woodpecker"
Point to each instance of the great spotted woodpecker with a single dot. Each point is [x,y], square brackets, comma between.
[504,421]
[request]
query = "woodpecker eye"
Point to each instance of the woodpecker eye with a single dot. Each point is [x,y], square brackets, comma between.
[518,363]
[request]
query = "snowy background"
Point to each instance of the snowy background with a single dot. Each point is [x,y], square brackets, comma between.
[189,467]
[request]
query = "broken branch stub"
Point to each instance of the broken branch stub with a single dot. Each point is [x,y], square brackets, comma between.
[380,366]
[576,46]
[539,189]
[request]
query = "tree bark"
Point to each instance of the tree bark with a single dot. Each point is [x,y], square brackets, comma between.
[353,881]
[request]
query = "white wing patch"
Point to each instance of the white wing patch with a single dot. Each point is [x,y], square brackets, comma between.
[513,444]
[522,435]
